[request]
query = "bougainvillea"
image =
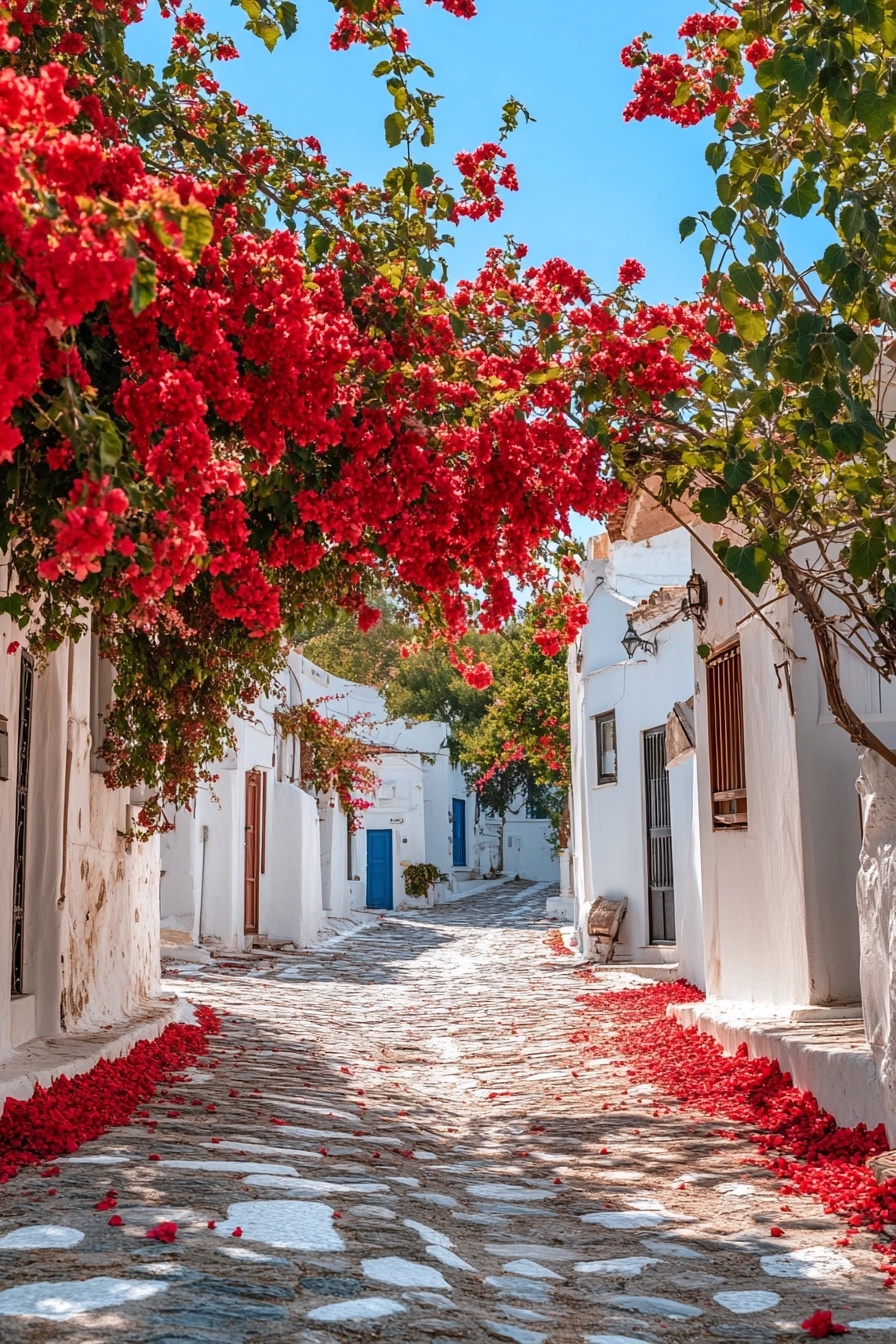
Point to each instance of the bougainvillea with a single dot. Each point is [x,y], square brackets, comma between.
[212,429]
[335,757]
[58,1119]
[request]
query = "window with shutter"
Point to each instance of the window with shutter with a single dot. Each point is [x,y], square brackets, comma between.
[725,712]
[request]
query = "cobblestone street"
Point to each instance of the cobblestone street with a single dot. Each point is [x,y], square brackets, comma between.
[409,1148]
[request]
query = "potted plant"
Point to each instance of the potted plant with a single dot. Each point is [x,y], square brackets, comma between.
[420,878]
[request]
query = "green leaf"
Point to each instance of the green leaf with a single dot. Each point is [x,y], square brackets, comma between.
[679,347]
[863,352]
[869,13]
[714,504]
[108,442]
[747,280]
[749,565]
[737,471]
[687,227]
[803,196]
[424,174]
[723,218]
[767,193]
[716,155]
[707,251]
[796,73]
[143,285]
[865,555]
[877,112]
[197,229]
[317,245]
[703,651]
[395,127]
[823,403]
[286,13]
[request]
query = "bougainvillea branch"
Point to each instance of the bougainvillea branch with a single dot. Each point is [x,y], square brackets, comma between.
[335,758]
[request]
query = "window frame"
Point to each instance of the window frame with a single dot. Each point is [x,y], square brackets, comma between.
[609,716]
[726,738]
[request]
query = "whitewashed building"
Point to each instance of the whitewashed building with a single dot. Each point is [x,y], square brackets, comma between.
[779,816]
[633,824]
[79,904]
[262,858]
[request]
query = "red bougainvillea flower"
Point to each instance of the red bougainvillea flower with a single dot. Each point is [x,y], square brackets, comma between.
[237,1232]
[116,1220]
[821,1324]
[631,272]
[776,1232]
[163,1232]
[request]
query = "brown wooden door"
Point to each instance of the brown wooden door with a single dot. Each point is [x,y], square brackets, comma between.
[254,845]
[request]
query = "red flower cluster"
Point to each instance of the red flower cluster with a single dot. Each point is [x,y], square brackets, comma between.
[821,1324]
[683,91]
[631,272]
[166,1232]
[482,175]
[58,1119]
[476,674]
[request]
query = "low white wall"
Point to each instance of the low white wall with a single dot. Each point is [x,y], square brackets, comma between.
[843,1078]
[528,852]
[290,905]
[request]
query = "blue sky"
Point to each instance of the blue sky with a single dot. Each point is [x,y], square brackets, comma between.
[594,189]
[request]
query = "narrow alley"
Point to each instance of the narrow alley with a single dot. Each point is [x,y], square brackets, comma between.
[396,1138]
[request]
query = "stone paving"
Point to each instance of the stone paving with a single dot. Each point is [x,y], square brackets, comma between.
[411,1150]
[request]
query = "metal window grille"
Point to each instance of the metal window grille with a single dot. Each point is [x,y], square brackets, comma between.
[606,748]
[660,877]
[725,706]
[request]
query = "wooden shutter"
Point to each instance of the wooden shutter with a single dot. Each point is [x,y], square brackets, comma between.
[725,709]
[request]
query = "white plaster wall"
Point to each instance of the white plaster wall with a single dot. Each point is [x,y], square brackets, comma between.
[527,851]
[753,879]
[686,867]
[91,902]
[291,904]
[109,905]
[397,807]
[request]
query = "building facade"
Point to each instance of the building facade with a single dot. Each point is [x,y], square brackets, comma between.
[633,823]
[79,902]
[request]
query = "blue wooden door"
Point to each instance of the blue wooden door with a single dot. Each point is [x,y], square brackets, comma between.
[379,870]
[459,832]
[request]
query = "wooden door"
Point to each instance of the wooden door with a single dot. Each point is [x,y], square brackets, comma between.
[660,885]
[254,847]
[26,697]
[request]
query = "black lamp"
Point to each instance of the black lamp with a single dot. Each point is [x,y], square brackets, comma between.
[697,600]
[632,641]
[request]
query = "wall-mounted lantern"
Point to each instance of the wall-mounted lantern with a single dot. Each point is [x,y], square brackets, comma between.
[632,641]
[694,605]
[4,748]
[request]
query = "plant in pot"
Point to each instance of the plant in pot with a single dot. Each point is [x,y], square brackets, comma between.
[420,878]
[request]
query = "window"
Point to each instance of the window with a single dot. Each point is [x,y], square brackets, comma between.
[725,710]
[606,748]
